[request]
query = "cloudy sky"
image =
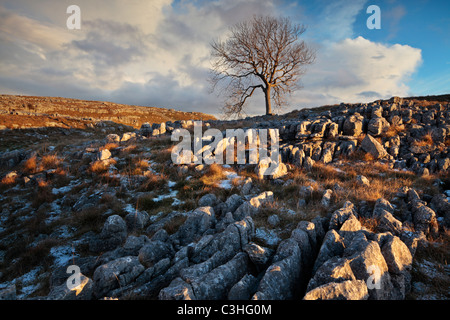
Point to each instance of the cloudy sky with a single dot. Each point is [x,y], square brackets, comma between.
[157,52]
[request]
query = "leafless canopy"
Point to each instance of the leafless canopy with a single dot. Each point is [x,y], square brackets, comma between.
[263,53]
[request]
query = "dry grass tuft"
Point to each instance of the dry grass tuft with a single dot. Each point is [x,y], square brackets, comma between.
[129,149]
[214,173]
[172,226]
[140,166]
[28,258]
[370,224]
[43,183]
[98,167]
[42,194]
[394,130]
[447,142]
[436,253]
[30,166]
[163,155]
[110,146]
[8,181]
[153,182]
[50,161]
[426,140]
[101,166]
[90,219]
[360,155]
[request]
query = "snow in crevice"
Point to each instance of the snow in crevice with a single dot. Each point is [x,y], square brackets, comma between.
[62,255]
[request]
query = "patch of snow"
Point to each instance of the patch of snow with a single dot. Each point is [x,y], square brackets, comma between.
[408,233]
[172,194]
[54,213]
[231,174]
[171,184]
[67,188]
[62,232]
[30,277]
[447,193]
[290,213]
[62,255]
[227,184]
[27,290]
[129,208]
[177,202]
[155,217]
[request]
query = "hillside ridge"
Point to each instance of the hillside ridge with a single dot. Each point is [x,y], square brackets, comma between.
[33,111]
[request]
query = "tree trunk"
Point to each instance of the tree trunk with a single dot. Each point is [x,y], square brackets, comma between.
[268,102]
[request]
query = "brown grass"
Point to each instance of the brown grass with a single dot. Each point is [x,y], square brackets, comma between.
[28,258]
[426,140]
[101,166]
[359,155]
[8,181]
[98,167]
[42,194]
[90,219]
[172,226]
[438,253]
[384,182]
[43,183]
[163,155]
[110,146]
[30,166]
[393,131]
[49,161]
[189,190]
[140,165]
[214,173]
[153,182]
[370,224]
[129,149]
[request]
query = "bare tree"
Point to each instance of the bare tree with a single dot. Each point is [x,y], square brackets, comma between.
[263,53]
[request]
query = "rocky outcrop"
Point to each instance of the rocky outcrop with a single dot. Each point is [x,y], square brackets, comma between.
[372,146]
[346,290]
[136,233]
[116,274]
[113,234]
[281,278]
[355,263]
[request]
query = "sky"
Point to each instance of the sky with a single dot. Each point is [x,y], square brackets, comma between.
[157,52]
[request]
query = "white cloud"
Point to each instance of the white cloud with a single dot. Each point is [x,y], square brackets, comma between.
[336,21]
[157,53]
[359,70]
